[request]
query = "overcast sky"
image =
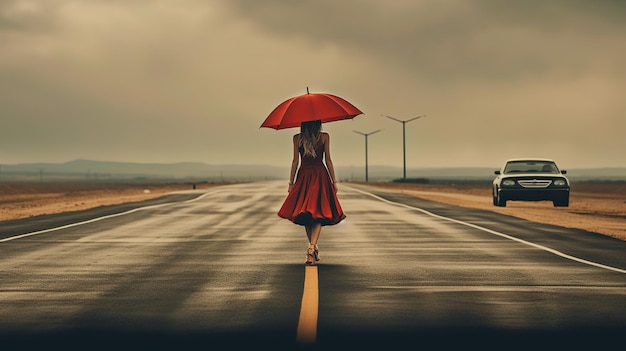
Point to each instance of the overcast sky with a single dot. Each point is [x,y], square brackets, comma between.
[192,80]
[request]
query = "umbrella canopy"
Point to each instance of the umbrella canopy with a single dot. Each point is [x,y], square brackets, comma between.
[310,107]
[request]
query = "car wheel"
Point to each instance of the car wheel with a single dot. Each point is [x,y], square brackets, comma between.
[499,200]
[561,202]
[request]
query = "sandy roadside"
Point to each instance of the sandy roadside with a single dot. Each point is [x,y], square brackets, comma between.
[22,200]
[598,208]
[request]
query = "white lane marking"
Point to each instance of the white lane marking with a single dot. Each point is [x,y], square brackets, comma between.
[502,288]
[541,247]
[21,236]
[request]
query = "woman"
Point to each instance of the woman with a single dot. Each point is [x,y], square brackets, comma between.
[312,199]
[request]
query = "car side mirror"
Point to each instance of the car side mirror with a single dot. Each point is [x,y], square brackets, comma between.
[496,172]
[563,171]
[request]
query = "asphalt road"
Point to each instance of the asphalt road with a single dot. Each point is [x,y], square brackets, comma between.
[218,269]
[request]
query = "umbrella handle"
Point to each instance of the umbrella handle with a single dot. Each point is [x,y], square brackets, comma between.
[307,90]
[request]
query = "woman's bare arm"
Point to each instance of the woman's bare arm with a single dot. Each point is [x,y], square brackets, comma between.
[328,159]
[295,161]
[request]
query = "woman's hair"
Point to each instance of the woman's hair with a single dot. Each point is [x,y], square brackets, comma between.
[309,136]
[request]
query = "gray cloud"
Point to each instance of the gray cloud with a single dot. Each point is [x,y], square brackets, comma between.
[192,80]
[452,40]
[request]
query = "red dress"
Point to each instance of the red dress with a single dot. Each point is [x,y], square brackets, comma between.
[312,198]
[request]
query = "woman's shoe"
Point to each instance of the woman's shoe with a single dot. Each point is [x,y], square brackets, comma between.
[310,257]
[316,253]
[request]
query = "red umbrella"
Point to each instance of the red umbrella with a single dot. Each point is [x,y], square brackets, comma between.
[310,107]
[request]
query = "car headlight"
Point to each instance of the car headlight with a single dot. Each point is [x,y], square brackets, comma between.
[508,182]
[560,182]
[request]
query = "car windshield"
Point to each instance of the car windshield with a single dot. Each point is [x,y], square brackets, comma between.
[530,167]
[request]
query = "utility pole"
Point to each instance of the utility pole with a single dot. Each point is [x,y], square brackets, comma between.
[366,135]
[404,122]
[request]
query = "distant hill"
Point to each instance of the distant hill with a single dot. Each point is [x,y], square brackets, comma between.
[88,170]
[101,170]
[613,173]
[376,173]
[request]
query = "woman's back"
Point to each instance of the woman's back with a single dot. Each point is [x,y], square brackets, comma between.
[319,154]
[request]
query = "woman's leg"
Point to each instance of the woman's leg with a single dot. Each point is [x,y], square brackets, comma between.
[310,257]
[308,232]
[314,235]
[316,229]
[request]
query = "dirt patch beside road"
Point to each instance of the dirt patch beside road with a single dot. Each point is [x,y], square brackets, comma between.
[598,207]
[24,200]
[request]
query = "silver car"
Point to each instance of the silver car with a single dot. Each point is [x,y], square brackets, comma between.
[536,179]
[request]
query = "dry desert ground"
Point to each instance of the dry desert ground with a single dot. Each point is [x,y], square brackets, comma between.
[24,200]
[598,207]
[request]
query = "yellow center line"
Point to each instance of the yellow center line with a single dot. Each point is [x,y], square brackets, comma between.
[307,324]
